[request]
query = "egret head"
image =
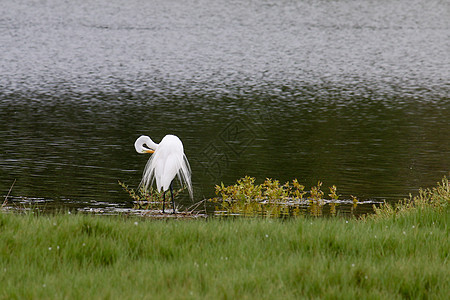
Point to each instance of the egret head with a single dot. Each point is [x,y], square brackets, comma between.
[144,144]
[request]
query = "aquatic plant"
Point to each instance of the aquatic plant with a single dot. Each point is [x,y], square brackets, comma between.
[334,197]
[272,199]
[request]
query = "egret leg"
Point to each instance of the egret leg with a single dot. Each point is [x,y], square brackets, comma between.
[171,193]
[164,200]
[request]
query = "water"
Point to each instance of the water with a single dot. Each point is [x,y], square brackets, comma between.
[352,93]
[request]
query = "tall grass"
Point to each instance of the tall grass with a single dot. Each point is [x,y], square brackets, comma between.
[436,198]
[82,256]
[401,252]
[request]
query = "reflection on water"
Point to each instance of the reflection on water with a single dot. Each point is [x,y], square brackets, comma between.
[350,93]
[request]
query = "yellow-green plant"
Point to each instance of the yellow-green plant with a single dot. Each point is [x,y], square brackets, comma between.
[355,203]
[273,191]
[298,189]
[316,200]
[243,190]
[269,199]
[334,197]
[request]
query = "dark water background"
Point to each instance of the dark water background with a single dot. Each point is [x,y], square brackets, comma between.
[353,93]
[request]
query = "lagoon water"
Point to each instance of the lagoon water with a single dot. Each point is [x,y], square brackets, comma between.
[352,93]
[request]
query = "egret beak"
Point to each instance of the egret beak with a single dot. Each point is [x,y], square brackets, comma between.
[149,151]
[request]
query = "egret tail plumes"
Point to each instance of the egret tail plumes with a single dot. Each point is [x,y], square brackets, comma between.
[168,160]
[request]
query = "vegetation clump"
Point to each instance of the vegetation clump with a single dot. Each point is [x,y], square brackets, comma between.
[436,198]
[272,199]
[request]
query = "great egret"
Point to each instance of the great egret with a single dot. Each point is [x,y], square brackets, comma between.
[168,159]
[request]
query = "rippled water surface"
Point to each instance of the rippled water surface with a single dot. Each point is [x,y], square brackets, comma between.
[353,93]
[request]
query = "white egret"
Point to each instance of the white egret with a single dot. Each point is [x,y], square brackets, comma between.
[167,161]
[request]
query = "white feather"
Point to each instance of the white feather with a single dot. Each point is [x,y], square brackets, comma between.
[166,162]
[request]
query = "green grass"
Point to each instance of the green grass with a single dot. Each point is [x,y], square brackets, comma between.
[399,252]
[82,256]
